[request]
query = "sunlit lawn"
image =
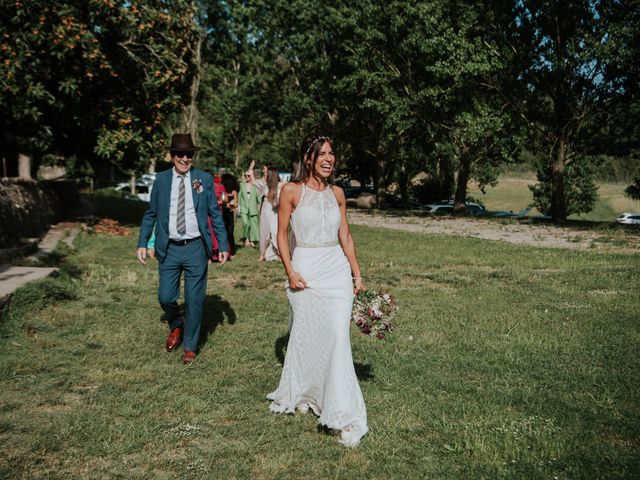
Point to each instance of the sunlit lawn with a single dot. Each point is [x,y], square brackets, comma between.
[513,194]
[507,362]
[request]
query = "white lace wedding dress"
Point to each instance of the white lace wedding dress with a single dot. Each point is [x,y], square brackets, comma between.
[318,371]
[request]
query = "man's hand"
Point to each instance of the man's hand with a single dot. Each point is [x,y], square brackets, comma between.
[142,255]
[223,257]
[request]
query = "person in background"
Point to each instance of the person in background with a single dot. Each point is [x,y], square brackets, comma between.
[269,216]
[221,194]
[263,189]
[230,208]
[151,244]
[249,203]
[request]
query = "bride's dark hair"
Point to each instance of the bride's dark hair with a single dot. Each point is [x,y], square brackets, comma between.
[273,178]
[309,148]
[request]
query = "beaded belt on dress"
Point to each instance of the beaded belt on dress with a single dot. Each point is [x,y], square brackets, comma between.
[316,245]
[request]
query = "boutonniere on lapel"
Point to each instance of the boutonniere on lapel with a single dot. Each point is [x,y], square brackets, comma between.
[197,185]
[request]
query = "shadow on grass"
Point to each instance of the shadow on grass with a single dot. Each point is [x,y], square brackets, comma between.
[61,260]
[215,311]
[280,347]
[37,295]
[363,372]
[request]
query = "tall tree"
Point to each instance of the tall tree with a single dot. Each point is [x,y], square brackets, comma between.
[264,75]
[96,79]
[567,50]
[474,127]
[423,89]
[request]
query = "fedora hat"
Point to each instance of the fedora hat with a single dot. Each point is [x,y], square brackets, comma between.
[182,142]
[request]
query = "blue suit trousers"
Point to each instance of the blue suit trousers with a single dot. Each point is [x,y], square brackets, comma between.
[192,260]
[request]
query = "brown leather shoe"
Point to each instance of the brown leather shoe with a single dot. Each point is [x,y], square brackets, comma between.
[188,358]
[174,339]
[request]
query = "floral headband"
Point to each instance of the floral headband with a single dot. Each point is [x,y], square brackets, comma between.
[312,143]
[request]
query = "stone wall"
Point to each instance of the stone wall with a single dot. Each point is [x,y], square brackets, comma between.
[28,208]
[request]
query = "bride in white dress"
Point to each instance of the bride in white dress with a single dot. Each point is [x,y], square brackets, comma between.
[318,371]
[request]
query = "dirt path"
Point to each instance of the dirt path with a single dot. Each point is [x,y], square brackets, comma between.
[615,238]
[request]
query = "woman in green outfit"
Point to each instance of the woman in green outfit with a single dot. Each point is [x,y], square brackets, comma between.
[249,206]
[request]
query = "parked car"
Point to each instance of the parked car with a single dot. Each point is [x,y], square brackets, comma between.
[474,209]
[629,218]
[436,209]
[143,190]
[395,201]
[446,206]
[511,214]
[355,192]
[144,185]
[148,178]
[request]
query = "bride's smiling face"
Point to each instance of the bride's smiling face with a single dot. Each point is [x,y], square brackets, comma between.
[325,163]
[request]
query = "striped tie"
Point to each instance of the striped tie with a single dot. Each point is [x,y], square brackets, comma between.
[181,223]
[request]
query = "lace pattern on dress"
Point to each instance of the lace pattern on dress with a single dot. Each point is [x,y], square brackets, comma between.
[318,372]
[316,219]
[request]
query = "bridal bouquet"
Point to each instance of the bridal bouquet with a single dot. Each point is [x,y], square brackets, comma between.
[372,312]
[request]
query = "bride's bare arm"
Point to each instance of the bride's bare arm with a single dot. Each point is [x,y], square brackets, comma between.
[346,240]
[289,196]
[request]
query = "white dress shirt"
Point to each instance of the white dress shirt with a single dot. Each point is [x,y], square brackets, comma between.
[189,209]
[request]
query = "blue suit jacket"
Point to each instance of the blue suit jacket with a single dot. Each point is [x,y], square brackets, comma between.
[205,205]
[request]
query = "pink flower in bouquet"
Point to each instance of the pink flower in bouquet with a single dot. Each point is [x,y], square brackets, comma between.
[374,312]
[388,299]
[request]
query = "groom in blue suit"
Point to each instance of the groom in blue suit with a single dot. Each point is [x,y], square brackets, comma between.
[182,200]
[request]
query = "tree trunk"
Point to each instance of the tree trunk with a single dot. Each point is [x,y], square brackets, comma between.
[445,179]
[236,158]
[379,181]
[132,184]
[558,205]
[462,183]
[24,165]
[189,122]
[404,185]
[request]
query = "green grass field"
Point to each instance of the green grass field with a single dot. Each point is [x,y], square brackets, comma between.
[512,193]
[507,362]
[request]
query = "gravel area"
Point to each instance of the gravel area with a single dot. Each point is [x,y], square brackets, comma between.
[524,232]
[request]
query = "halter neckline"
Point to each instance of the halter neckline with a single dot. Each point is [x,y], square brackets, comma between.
[304,184]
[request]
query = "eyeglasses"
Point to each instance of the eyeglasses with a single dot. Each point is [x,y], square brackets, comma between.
[182,154]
